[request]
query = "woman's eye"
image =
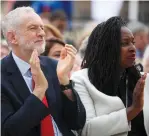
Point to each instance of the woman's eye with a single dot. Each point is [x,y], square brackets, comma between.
[56,55]
[125,44]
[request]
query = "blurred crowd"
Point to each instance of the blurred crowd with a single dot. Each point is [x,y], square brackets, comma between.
[57,20]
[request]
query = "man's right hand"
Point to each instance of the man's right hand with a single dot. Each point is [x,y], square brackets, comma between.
[138,99]
[39,79]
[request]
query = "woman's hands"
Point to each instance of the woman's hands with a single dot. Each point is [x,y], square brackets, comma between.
[138,99]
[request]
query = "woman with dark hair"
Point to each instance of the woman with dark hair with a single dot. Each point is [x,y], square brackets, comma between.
[53,48]
[109,85]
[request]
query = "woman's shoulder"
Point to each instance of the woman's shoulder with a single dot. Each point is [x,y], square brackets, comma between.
[80,73]
[146,53]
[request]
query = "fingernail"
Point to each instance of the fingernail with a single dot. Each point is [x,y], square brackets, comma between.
[144,76]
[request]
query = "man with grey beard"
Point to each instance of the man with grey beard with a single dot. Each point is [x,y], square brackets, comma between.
[37,96]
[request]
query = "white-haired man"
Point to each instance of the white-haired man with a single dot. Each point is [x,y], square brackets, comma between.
[141,37]
[36,102]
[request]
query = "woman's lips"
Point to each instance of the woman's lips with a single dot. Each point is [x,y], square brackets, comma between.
[132,57]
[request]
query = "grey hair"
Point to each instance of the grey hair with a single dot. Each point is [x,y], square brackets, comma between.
[137,27]
[13,19]
[83,46]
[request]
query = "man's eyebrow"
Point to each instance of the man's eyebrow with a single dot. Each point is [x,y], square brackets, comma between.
[35,25]
[32,25]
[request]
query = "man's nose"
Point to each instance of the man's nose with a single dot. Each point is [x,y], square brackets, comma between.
[41,32]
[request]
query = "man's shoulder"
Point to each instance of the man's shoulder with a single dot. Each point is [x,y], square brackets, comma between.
[4,63]
[4,72]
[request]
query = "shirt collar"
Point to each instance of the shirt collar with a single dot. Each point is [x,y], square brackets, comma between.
[22,65]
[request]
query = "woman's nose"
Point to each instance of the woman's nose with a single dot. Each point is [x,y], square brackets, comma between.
[132,48]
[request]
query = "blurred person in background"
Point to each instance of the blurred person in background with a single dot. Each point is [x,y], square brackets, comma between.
[58,18]
[80,55]
[52,31]
[45,17]
[51,6]
[4,49]
[53,48]
[109,84]
[145,61]
[141,35]
[82,48]
[85,32]
[17,4]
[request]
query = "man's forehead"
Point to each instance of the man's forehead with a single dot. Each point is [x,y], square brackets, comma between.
[32,19]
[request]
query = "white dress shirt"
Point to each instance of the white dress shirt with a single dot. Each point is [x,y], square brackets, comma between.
[24,69]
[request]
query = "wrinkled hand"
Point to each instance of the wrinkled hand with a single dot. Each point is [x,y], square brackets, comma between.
[65,63]
[37,74]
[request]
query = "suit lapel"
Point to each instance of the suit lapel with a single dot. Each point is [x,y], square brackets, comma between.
[50,93]
[17,80]
[21,88]
[20,85]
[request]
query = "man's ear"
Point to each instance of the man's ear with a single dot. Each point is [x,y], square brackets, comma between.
[11,36]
